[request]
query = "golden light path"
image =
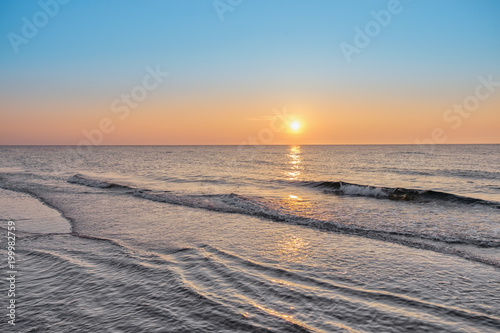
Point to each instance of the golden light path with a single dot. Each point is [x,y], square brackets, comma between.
[295,160]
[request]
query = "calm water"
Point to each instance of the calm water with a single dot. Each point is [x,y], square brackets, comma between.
[254,239]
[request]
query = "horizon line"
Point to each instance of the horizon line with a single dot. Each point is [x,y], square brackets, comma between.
[237,145]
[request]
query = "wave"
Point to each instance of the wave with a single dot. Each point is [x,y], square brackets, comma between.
[494,187]
[90,182]
[260,207]
[399,193]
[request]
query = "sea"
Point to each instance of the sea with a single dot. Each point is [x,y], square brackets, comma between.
[361,238]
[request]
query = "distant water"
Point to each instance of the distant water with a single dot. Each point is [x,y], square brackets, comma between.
[254,239]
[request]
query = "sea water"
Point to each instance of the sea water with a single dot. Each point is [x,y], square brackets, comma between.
[253,239]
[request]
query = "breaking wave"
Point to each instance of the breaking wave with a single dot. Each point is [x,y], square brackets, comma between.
[403,194]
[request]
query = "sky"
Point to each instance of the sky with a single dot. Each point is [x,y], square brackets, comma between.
[242,71]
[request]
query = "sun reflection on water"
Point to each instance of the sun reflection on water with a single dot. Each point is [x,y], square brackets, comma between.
[293,248]
[294,162]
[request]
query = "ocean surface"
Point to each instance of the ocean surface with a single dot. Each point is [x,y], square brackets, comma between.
[253,238]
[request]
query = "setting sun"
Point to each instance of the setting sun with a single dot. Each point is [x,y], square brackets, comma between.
[294,125]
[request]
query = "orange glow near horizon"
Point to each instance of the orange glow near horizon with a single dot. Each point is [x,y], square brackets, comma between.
[184,122]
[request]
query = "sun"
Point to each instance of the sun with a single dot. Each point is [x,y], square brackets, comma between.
[295,126]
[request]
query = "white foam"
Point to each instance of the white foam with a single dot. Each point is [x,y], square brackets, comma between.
[368,191]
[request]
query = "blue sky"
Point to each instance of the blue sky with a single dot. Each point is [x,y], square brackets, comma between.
[102,39]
